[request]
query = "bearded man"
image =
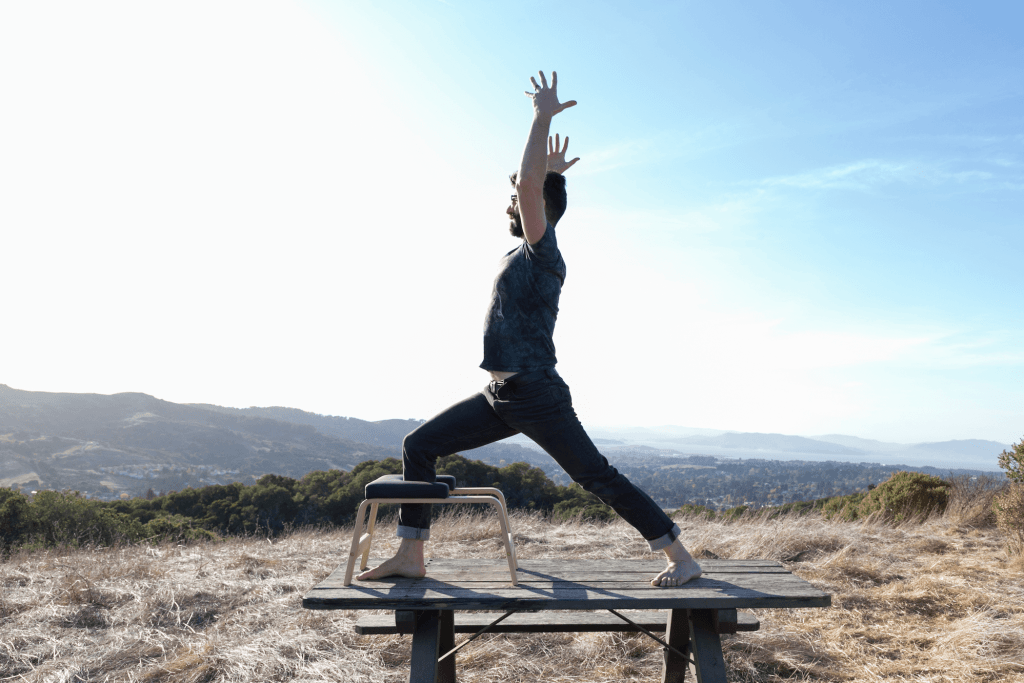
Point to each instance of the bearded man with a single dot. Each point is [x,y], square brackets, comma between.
[526,395]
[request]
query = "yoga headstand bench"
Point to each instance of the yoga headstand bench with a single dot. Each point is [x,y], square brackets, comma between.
[392,488]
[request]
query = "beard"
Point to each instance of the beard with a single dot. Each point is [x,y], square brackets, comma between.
[515,226]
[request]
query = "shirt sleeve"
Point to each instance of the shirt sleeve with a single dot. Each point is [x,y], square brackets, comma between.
[546,248]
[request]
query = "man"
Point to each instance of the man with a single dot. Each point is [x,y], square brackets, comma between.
[526,395]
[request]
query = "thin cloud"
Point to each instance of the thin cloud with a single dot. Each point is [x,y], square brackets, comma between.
[618,155]
[961,351]
[868,173]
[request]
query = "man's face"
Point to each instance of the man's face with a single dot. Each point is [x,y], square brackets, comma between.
[515,225]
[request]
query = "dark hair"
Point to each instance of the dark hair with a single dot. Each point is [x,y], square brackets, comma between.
[555,197]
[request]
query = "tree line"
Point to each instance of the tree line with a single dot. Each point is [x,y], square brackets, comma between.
[276,503]
[271,505]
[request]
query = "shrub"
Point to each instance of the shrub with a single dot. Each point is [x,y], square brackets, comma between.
[696,510]
[13,519]
[576,502]
[843,507]
[1009,509]
[902,497]
[971,500]
[735,513]
[1013,462]
[176,528]
[1009,505]
[66,518]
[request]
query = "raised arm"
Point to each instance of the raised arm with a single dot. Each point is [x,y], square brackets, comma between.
[533,167]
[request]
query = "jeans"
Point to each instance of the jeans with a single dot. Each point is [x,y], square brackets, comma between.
[537,404]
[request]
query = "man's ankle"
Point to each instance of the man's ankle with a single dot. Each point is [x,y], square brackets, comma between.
[676,552]
[411,548]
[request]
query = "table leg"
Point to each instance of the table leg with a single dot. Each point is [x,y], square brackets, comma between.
[677,634]
[426,641]
[446,669]
[706,648]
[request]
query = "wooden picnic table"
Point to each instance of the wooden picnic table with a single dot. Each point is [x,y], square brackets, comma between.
[696,614]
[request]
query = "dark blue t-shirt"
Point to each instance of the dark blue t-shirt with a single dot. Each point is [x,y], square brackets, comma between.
[520,321]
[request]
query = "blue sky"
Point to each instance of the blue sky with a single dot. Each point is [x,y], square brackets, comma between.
[792,217]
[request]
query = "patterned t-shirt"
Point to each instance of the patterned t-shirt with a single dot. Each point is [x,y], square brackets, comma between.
[520,321]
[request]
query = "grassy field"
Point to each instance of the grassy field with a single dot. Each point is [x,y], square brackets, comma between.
[937,600]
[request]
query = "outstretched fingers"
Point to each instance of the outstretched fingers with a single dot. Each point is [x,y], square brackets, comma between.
[565,105]
[553,148]
[547,97]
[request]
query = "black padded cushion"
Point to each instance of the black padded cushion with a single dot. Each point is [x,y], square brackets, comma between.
[393,486]
[448,479]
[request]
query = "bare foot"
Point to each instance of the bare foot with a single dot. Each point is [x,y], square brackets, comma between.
[408,561]
[681,567]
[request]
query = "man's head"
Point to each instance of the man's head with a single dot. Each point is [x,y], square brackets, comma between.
[555,201]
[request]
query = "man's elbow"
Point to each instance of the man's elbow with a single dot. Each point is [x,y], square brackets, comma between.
[533,187]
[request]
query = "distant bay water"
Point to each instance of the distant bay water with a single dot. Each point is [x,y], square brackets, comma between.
[977,454]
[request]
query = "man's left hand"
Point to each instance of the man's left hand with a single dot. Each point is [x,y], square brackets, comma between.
[556,158]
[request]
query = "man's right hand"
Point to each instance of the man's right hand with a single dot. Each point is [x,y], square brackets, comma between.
[545,99]
[556,158]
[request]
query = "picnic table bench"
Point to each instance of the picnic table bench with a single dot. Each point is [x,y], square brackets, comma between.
[555,595]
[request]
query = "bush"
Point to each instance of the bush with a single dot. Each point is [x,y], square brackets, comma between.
[971,500]
[905,496]
[1009,505]
[576,502]
[844,507]
[13,517]
[1013,462]
[735,513]
[696,510]
[176,528]
[57,518]
[1009,509]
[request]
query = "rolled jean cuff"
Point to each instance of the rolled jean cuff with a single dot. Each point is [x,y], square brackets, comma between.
[421,534]
[662,541]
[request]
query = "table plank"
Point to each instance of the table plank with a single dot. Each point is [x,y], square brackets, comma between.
[544,622]
[337,580]
[593,565]
[566,570]
[547,590]
[758,582]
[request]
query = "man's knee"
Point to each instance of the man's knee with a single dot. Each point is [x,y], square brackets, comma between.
[412,441]
[605,484]
[419,447]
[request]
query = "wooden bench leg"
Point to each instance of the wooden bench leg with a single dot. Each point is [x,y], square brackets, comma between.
[506,535]
[369,530]
[353,554]
[706,647]
[677,634]
[426,641]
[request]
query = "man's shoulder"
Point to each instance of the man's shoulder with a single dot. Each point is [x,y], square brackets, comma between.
[546,248]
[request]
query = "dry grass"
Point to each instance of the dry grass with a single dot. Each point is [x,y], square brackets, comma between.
[932,601]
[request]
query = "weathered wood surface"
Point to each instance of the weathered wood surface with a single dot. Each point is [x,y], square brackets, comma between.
[544,622]
[571,585]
